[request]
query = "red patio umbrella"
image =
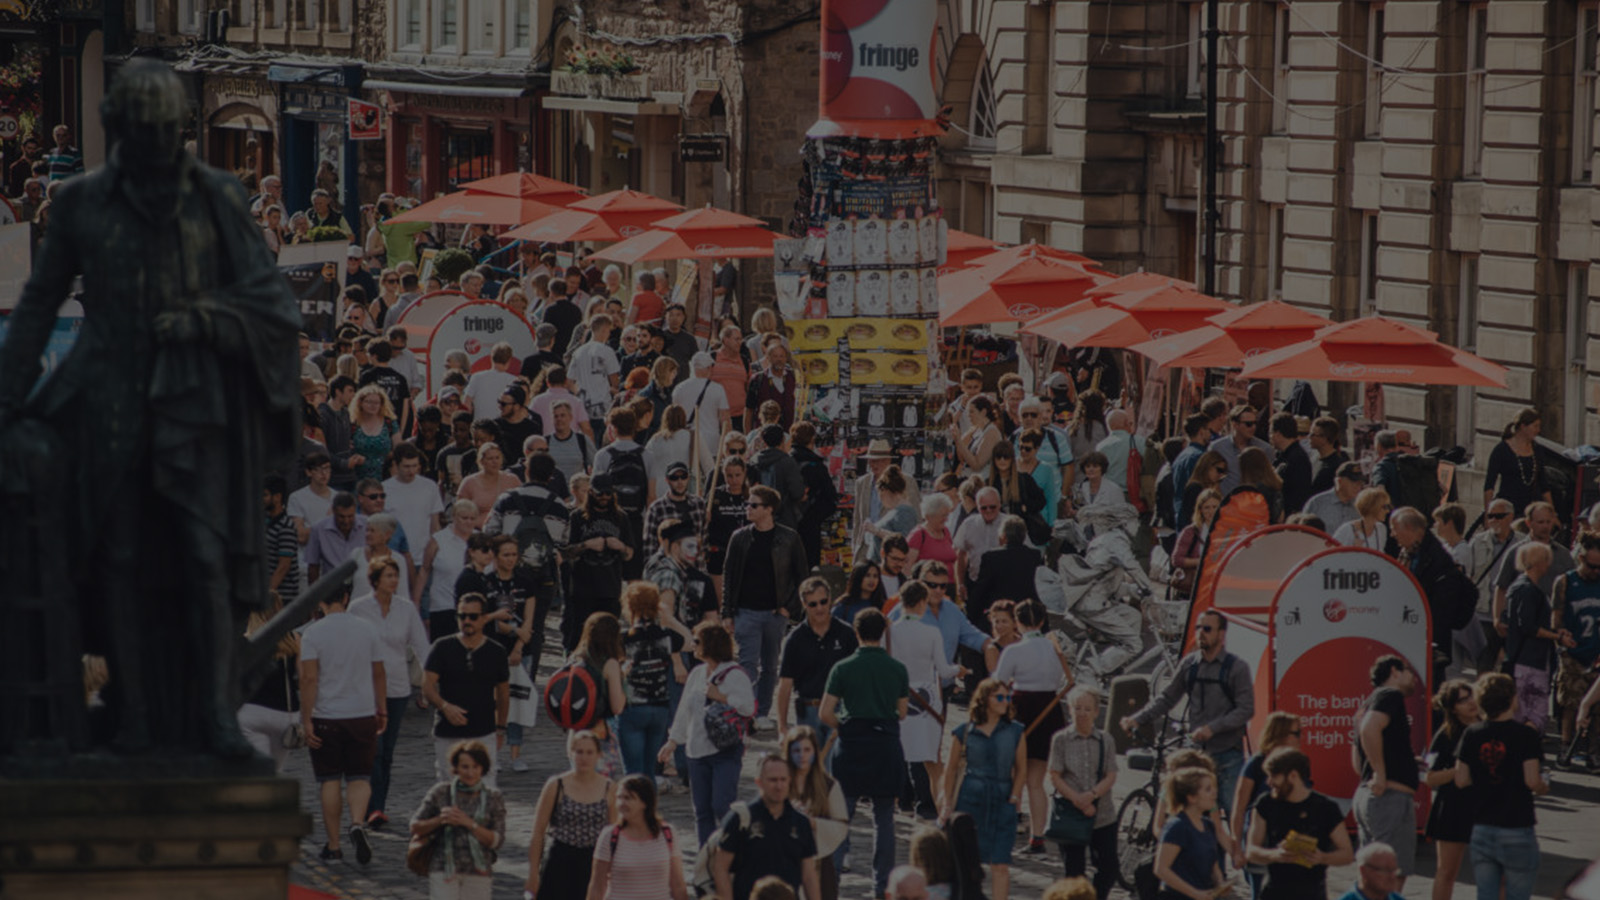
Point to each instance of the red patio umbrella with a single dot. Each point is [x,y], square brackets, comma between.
[473,208]
[528,186]
[606,217]
[1031,250]
[1376,349]
[705,233]
[962,247]
[1234,336]
[1131,310]
[1018,291]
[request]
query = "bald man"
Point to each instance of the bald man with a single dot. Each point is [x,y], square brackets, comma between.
[1117,446]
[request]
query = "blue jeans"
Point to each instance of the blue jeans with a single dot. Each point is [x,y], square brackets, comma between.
[383,760]
[713,786]
[1229,764]
[760,636]
[1504,856]
[882,840]
[680,756]
[642,730]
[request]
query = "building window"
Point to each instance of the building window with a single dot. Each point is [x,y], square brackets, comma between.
[1275,251]
[189,16]
[408,21]
[468,156]
[1577,341]
[1280,70]
[1037,63]
[1369,263]
[1195,76]
[985,118]
[272,13]
[446,25]
[144,15]
[520,19]
[1472,113]
[1467,339]
[344,12]
[243,13]
[1586,68]
[481,29]
[1373,107]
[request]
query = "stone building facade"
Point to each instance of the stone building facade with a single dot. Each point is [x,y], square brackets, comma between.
[1430,160]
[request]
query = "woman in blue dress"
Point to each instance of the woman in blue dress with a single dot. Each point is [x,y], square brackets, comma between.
[988,760]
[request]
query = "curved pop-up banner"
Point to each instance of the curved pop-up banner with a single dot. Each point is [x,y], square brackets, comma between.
[475,328]
[1335,615]
[1243,512]
[877,69]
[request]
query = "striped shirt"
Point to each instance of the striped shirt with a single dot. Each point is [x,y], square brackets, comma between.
[640,870]
[282,542]
[65,162]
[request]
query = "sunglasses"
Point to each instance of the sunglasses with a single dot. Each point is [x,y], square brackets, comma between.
[679,477]
[754,505]
[375,496]
[816,604]
[1499,515]
[1003,698]
[1248,423]
[469,617]
[1205,629]
[936,585]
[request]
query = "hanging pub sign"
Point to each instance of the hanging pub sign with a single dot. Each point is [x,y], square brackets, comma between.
[366,121]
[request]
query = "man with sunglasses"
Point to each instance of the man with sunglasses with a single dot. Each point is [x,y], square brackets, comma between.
[809,654]
[467,682]
[1221,696]
[1338,505]
[765,567]
[1246,422]
[1053,454]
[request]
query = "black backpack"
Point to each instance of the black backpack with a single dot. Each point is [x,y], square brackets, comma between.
[822,498]
[632,482]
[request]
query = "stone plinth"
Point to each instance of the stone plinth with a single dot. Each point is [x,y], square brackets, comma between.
[200,839]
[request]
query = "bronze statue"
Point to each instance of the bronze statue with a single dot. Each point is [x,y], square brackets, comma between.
[181,392]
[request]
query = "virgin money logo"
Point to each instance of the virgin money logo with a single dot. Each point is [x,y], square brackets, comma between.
[1023,310]
[1333,610]
[472,346]
[707,248]
[1161,333]
[1347,369]
[628,231]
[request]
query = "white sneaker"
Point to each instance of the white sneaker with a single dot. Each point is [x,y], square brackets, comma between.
[765,723]
[519,765]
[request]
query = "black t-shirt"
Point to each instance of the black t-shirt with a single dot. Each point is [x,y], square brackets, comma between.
[699,597]
[808,658]
[1316,816]
[1399,763]
[538,362]
[598,573]
[767,846]
[758,590]
[649,648]
[1494,753]
[724,516]
[565,316]
[512,434]
[509,594]
[467,678]
[393,383]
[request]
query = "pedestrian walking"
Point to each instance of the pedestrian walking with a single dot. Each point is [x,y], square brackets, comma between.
[1500,758]
[1083,770]
[814,792]
[717,686]
[767,836]
[809,654]
[1531,641]
[601,540]
[988,764]
[466,819]
[1035,668]
[652,661]
[1388,768]
[766,564]
[1189,858]
[636,857]
[1296,832]
[1281,730]
[1450,814]
[920,648]
[400,632]
[467,681]
[574,808]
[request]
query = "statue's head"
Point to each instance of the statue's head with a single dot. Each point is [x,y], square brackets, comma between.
[144,111]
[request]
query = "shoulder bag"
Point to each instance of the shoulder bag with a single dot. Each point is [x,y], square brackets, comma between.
[1068,824]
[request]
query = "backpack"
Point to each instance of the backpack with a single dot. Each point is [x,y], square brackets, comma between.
[1419,483]
[632,482]
[575,696]
[726,727]
[1461,600]
[822,498]
[1191,677]
[962,834]
[651,660]
[1135,477]
[700,880]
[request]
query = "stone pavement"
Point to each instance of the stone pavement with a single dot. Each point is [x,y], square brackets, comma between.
[1567,841]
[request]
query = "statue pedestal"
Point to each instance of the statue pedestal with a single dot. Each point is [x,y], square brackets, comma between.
[200,839]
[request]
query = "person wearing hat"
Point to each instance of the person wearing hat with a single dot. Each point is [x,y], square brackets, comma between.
[878,457]
[677,503]
[516,423]
[600,541]
[1338,506]
[344,337]
[355,270]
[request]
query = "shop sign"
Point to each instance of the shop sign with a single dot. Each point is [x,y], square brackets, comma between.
[366,120]
[702,148]
[877,60]
[474,328]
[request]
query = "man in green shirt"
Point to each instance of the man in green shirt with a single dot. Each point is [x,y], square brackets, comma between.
[864,701]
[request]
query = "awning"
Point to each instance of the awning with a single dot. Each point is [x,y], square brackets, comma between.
[614,107]
[457,90]
[241,116]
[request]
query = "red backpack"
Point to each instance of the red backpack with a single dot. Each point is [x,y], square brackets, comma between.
[575,696]
[1136,477]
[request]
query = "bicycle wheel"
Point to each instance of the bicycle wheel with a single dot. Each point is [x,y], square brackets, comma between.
[1136,841]
[1161,674]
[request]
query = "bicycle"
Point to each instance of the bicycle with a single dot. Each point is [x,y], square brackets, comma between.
[1136,837]
[1166,621]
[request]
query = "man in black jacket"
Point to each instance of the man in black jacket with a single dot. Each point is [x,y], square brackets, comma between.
[1007,571]
[821,495]
[778,470]
[765,566]
[1451,596]
[1290,462]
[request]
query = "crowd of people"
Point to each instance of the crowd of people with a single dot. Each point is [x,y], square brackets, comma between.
[665,498]
[26,181]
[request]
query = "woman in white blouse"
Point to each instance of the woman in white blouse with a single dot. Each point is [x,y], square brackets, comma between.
[1369,531]
[1038,673]
[713,773]
[920,647]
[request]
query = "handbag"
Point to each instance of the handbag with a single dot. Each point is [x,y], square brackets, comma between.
[725,726]
[1069,824]
[419,853]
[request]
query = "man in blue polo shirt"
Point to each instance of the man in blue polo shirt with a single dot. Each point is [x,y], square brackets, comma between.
[766,837]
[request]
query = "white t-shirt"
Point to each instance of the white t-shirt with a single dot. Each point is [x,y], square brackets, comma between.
[484,390]
[709,419]
[592,367]
[663,451]
[410,368]
[345,648]
[306,506]
[412,504]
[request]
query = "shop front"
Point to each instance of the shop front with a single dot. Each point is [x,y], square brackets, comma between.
[438,142]
[240,112]
[315,150]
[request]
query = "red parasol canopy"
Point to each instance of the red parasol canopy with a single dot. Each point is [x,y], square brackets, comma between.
[1376,349]
[1132,310]
[705,233]
[1234,336]
[528,186]
[961,248]
[1019,291]
[607,217]
[1033,250]
[472,208]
